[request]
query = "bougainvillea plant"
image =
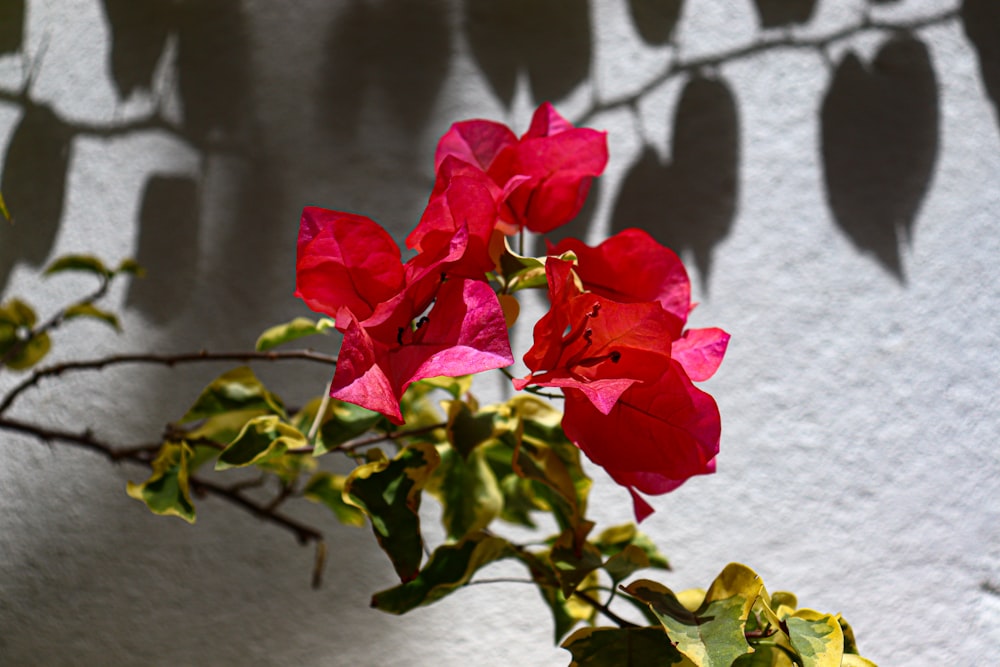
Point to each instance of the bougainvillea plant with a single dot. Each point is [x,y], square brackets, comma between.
[613,342]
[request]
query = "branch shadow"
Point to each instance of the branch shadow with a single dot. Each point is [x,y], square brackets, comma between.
[690,202]
[549,40]
[879,144]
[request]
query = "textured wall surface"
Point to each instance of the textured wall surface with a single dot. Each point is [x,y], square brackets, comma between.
[829,170]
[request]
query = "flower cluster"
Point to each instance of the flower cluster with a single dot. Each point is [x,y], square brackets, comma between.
[613,340]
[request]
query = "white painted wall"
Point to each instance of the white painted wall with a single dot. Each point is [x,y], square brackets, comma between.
[859,465]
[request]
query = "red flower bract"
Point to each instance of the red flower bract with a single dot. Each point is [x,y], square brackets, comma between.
[544,176]
[463,333]
[656,436]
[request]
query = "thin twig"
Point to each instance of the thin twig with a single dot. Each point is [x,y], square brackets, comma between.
[158,359]
[603,608]
[86,440]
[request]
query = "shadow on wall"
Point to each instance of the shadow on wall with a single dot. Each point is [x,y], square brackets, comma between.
[689,202]
[384,57]
[549,40]
[982,26]
[880,143]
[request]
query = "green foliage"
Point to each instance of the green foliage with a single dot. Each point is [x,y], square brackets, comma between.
[83,263]
[262,440]
[298,328]
[328,489]
[238,389]
[167,490]
[389,493]
[341,422]
[450,567]
[20,346]
[621,647]
[89,310]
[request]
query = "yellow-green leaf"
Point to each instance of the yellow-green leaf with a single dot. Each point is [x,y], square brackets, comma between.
[714,635]
[3,209]
[238,389]
[450,567]
[261,439]
[328,489]
[85,263]
[621,647]
[93,312]
[167,490]
[612,540]
[341,422]
[389,493]
[300,327]
[817,638]
[131,267]
[469,493]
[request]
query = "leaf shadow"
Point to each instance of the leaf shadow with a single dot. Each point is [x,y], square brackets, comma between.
[981,19]
[11,25]
[655,20]
[778,13]
[690,202]
[33,184]
[880,144]
[549,40]
[139,33]
[167,243]
[397,53]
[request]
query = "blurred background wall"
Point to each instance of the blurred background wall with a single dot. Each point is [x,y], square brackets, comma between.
[828,170]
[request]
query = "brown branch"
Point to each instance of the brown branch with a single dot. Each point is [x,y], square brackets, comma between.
[140,455]
[157,359]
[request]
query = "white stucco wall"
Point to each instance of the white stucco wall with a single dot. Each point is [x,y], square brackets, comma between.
[859,463]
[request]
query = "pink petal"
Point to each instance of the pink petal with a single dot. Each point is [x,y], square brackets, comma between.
[700,352]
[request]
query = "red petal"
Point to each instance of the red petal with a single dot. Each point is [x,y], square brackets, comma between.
[474,141]
[345,260]
[700,352]
[632,266]
[656,437]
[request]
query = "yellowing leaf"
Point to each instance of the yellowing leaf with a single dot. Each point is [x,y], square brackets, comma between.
[93,312]
[300,327]
[166,491]
[389,493]
[817,638]
[621,647]
[328,489]
[261,439]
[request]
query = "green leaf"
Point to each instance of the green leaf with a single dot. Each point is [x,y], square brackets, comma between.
[468,491]
[20,347]
[714,635]
[341,423]
[466,430]
[456,386]
[238,389]
[328,489]
[131,267]
[262,438]
[93,312]
[85,263]
[625,563]
[389,493]
[817,638]
[765,656]
[612,540]
[3,210]
[573,559]
[166,491]
[300,327]
[621,647]
[450,567]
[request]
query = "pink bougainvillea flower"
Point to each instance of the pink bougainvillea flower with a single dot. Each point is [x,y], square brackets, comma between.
[595,345]
[345,261]
[632,266]
[544,175]
[656,436]
[463,333]
[466,197]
